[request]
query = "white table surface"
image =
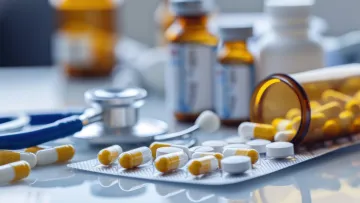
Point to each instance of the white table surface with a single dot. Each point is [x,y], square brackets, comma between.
[330,179]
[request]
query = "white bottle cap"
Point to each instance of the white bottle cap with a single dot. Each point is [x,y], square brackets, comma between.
[230,31]
[279,150]
[191,7]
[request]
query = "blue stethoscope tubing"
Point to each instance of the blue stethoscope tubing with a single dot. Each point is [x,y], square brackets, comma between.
[53,126]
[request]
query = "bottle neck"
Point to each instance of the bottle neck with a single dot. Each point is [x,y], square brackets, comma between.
[291,33]
[193,21]
[234,45]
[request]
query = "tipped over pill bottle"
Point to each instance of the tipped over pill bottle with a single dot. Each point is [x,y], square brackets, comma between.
[234,74]
[192,58]
[319,105]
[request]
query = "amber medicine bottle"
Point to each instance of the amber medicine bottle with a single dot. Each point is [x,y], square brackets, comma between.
[192,58]
[86,36]
[234,74]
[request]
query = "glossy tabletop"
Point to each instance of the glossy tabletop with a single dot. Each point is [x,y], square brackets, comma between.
[329,179]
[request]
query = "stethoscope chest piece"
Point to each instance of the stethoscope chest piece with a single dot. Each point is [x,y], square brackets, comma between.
[120,123]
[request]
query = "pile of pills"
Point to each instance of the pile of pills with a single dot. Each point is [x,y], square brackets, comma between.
[15,166]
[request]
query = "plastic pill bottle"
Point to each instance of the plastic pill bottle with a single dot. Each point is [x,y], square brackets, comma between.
[234,73]
[335,91]
[86,35]
[287,47]
[163,19]
[192,52]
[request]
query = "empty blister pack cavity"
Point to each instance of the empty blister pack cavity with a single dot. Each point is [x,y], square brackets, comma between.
[215,178]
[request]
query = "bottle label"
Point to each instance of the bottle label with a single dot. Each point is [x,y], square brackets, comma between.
[73,49]
[190,77]
[233,88]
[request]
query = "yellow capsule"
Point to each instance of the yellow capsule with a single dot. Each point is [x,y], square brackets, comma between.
[203,165]
[314,105]
[331,109]
[135,157]
[350,85]
[345,120]
[353,106]
[285,136]
[280,123]
[156,145]
[15,171]
[108,155]
[355,126]
[317,121]
[169,162]
[256,131]
[217,155]
[331,128]
[292,113]
[251,153]
[34,149]
[332,95]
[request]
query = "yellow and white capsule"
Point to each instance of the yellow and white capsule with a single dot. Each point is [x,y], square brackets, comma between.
[156,145]
[285,136]
[34,149]
[170,162]
[217,155]
[7,157]
[203,165]
[15,171]
[330,109]
[250,130]
[281,124]
[109,155]
[57,154]
[252,153]
[135,157]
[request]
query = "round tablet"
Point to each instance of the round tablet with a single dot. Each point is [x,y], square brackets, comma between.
[235,164]
[238,146]
[259,145]
[167,150]
[236,140]
[280,149]
[217,145]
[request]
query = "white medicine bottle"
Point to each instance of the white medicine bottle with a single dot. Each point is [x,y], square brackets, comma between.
[288,47]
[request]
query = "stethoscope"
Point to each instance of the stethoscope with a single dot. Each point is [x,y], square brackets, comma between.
[112,118]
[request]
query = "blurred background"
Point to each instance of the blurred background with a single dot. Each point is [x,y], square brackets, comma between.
[27,27]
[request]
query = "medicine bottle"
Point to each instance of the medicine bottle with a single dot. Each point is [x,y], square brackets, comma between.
[234,74]
[287,47]
[86,36]
[163,19]
[335,91]
[192,57]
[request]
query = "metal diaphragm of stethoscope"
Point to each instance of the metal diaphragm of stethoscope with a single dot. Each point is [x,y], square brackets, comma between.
[112,118]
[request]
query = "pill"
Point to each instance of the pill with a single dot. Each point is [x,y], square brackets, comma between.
[330,109]
[331,128]
[353,106]
[236,164]
[203,165]
[279,150]
[250,130]
[7,157]
[167,150]
[252,153]
[332,95]
[259,145]
[217,145]
[57,154]
[236,140]
[34,149]
[237,146]
[280,123]
[217,155]
[135,157]
[171,162]
[292,113]
[314,105]
[355,126]
[15,171]
[317,121]
[156,145]
[285,136]
[345,120]
[108,155]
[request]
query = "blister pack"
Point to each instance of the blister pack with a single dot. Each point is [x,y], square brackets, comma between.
[266,166]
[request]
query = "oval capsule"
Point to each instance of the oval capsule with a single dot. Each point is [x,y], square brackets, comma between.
[170,162]
[15,171]
[285,136]
[167,150]
[156,145]
[109,155]
[217,155]
[57,154]
[330,109]
[203,165]
[252,153]
[135,157]
[256,131]
[7,157]
[34,149]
